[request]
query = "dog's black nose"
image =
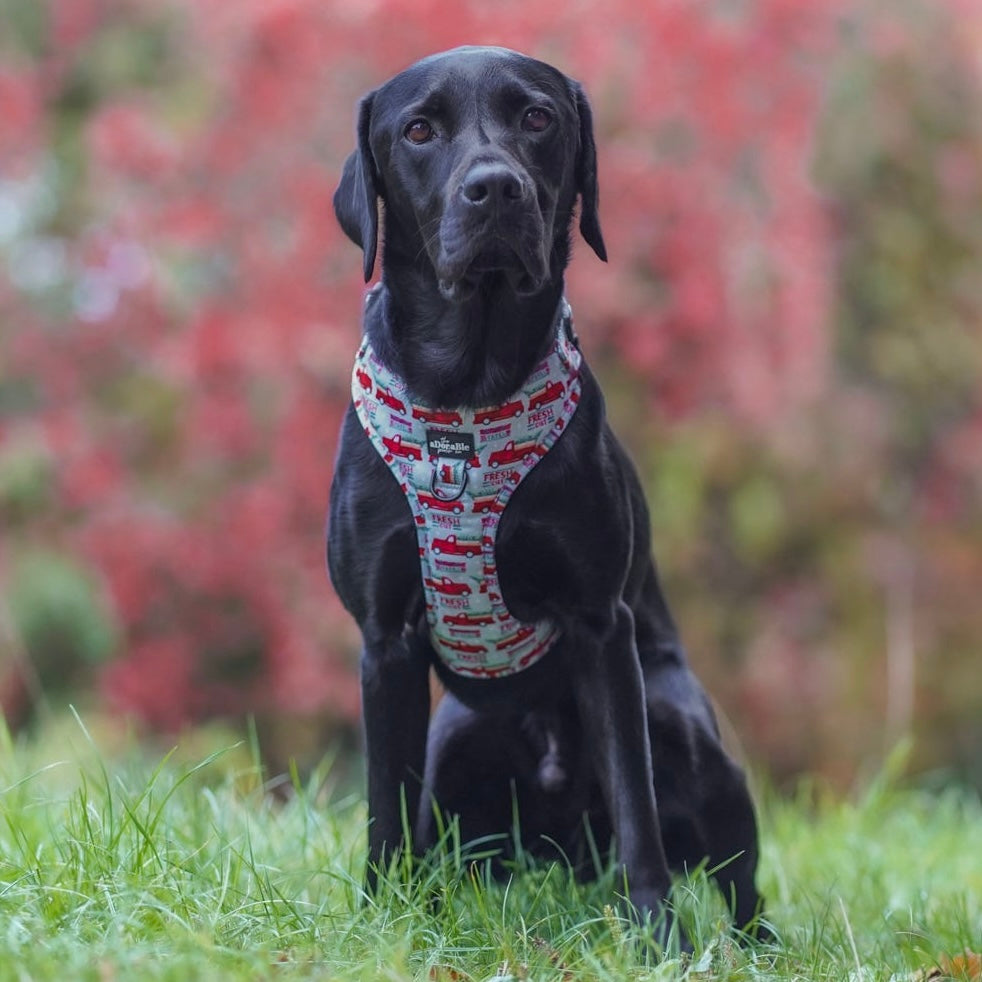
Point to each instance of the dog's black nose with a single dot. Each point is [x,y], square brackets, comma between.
[491,184]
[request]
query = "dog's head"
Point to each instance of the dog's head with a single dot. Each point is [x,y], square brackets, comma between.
[478,155]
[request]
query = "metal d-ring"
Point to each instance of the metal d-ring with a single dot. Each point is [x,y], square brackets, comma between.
[459,490]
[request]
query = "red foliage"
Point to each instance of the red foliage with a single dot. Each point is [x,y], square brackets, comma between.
[190,397]
[193,400]
[20,122]
[127,140]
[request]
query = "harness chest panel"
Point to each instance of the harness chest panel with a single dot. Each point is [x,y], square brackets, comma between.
[458,468]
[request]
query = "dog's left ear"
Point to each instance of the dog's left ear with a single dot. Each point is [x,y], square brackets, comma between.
[586,175]
[356,199]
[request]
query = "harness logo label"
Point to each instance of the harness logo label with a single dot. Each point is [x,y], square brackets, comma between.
[456,446]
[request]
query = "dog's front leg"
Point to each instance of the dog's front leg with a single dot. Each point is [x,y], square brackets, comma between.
[396,703]
[610,697]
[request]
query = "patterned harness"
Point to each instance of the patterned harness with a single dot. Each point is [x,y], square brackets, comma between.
[458,469]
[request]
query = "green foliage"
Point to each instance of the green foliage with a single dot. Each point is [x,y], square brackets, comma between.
[26,474]
[188,868]
[24,25]
[59,615]
[901,151]
[810,552]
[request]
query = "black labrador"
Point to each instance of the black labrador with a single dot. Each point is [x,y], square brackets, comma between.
[478,157]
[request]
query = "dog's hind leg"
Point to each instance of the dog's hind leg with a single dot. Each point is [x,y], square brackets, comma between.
[705,810]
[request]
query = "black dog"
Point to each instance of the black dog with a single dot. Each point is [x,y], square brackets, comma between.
[478,156]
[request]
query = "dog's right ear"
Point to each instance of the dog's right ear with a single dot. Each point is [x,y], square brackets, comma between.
[356,199]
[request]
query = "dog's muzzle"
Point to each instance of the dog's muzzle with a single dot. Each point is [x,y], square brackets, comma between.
[492,224]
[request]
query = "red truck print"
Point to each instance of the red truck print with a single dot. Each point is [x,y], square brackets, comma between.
[385,396]
[481,672]
[364,380]
[509,409]
[520,635]
[510,453]
[552,392]
[448,587]
[468,620]
[453,547]
[533,654]
[440,416]
[432,501]
[396,448]
[484,505]
[467,649]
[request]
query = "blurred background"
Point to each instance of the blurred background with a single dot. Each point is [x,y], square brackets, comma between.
[789,332]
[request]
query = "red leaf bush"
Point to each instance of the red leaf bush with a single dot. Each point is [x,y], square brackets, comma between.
[182,312]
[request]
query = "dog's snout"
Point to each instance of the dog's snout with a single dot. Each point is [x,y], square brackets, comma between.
[492,184]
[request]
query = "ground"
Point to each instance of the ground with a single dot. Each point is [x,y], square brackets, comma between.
[137,864]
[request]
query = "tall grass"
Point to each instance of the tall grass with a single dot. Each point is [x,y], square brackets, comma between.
[116,866]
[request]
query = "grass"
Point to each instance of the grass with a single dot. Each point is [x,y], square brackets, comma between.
[113,867]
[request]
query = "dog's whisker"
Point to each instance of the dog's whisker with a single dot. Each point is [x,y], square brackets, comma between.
[428,240]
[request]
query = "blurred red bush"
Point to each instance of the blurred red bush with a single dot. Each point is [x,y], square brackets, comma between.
[181,312]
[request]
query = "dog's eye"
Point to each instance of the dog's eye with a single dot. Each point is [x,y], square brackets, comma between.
[419,131]
[536,119]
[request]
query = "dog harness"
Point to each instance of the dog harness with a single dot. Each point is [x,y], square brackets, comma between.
[458,468]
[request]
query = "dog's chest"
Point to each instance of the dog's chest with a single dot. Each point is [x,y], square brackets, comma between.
[458,469]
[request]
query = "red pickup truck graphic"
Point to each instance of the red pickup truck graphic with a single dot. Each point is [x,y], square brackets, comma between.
[552,392]
[509,409]
[384,395]
[364,380]
[480,672]
[484,505]
[396,448]
[467,649]
[432,501]
[455,548]
[527,659]
[510,453]
[520,635]
[468,620]
[441,416]
[447,586]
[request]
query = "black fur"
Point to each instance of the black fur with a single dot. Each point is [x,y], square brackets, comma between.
[476,239]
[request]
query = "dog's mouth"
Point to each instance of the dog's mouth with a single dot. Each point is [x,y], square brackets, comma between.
[460,279]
